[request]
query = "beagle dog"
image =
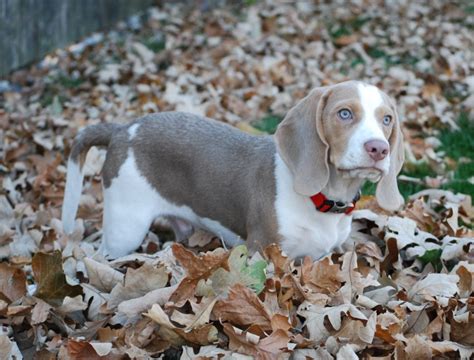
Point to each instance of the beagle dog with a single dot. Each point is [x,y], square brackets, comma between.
[296,188]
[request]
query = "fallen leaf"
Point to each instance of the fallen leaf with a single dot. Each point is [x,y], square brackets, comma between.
[434,285]
[49,275]
[321,276]
[243,307]
[138,282]
[239,272]
[102,276]
[262,349]
[12,283]
[9,349]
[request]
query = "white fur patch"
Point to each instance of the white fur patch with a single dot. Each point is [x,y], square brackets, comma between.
[305,230]
[368,129]
[72,195]
[130,206]
[132,131]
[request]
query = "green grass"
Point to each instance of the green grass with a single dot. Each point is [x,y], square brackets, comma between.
[347,28]
[460,144]
[268,123]
[69,82]
[155,44]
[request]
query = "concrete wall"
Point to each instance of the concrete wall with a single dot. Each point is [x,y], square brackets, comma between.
[29,29]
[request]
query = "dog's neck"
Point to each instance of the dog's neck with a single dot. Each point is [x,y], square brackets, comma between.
[342,189]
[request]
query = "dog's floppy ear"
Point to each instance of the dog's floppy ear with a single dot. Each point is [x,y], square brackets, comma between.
[300,143]
[387,193]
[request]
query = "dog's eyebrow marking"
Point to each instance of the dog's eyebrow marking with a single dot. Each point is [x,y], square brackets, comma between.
[132,130]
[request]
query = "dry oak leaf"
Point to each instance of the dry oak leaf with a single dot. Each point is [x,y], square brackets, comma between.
[346,353]
[241,271]
[40,312]
[462,328]
[102,276]
[211,352]
[321,276]
[418,349]
[355,282]
[243,307]
[465,271]
[78,350]
[12,283]
[138,282]
[202,266]
[167,329]
[71,304]
[9,349]
[434,285]
[357,331]
[134,307]
[51,281]
[202,335]
[316,316]
[280,262]
[202,312]
[197,268]
[271,347]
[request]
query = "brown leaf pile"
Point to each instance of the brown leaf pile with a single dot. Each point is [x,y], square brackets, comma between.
[378,299]
[402,289]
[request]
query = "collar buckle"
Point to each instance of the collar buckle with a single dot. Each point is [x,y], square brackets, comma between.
[323,204]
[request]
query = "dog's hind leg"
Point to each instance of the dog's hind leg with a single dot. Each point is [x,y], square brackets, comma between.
[130,206]
[125,226]
[182,229]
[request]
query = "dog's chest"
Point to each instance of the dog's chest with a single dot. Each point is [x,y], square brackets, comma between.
[305,231]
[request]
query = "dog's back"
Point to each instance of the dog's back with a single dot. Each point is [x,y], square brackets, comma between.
[180,156]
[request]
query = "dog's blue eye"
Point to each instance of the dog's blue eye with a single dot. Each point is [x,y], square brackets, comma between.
[387,119]
[345,114]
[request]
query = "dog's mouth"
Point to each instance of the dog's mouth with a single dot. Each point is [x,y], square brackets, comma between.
[371,173]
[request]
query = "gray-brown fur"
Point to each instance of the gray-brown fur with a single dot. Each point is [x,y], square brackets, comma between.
[94,135]
[177,153]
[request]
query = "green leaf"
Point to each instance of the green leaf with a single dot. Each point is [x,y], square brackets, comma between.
[252,276]
[432,257]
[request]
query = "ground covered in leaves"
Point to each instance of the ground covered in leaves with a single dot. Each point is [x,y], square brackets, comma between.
[403,289]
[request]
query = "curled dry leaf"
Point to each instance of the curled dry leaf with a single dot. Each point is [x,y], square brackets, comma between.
[267,348]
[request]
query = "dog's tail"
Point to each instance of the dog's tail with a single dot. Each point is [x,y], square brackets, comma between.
[95,135]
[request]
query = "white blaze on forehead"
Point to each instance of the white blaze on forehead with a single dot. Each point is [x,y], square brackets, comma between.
[370,99]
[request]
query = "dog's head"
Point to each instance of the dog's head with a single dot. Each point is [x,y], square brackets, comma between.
[351,126]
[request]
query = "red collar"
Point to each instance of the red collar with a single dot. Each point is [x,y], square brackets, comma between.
[325,205]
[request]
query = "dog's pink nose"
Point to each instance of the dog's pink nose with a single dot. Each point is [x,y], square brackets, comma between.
[377,149]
